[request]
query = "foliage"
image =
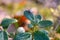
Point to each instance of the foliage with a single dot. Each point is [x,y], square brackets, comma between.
[23,36]
[36,24]
[36,20]
[6,22]
[3,35]
[39,35]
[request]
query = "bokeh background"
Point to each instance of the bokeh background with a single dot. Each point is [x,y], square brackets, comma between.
[49,9]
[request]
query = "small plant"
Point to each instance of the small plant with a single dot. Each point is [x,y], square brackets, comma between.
[5,23]
[35,33]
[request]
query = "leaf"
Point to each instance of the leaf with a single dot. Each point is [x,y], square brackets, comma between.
[38,17]
[30,26]
[23,36]
[5,22]
[29,15]
[3,35]
[44,31]
[45,23]
[38,35]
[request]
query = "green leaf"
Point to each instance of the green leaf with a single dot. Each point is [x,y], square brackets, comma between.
[29,15]
[44,31]
[38,17]
[3,35]
[5,22]
[23,36]
[45,23]
[38,35]
[30,26]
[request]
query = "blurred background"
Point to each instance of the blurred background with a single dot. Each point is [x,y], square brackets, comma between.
[49,9]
